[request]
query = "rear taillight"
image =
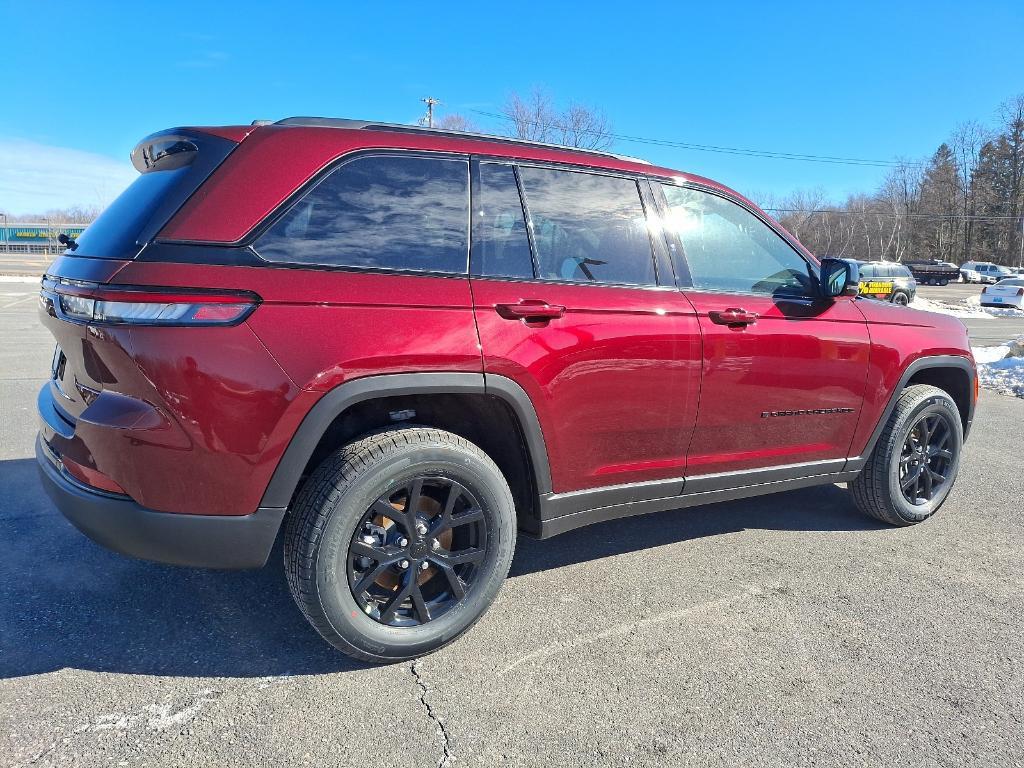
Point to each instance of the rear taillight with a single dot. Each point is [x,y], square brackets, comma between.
[1020,291]
[130,305]
[984,289]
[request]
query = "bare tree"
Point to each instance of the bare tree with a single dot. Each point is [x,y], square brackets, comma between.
[536,118]
[532,118]
[967,140]
[1011,115]
[457,122]
[77,214]
[580,126]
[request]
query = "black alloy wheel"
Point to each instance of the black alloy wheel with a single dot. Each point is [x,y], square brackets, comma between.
[415,554]
[926,459]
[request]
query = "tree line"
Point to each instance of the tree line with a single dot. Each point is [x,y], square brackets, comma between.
[964,203]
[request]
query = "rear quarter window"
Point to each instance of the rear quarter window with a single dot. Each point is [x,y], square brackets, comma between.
[403,212]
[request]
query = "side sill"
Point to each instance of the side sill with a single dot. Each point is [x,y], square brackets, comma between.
[556,505]
[555,526]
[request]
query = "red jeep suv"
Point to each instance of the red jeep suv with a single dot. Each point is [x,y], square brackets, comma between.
[404,345]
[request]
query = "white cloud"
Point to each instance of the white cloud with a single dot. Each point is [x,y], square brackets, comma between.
[205,60]
[35,178]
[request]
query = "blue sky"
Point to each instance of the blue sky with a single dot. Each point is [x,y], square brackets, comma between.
[82,82]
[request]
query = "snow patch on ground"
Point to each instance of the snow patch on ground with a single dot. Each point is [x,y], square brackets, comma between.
[989,354]
[949,309]
[974,302]
[1002,368]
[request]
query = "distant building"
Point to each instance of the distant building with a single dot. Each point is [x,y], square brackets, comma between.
[36,238]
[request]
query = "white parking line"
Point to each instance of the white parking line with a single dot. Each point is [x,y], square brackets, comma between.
[18,301]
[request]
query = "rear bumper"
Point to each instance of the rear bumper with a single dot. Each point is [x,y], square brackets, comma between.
[199,541]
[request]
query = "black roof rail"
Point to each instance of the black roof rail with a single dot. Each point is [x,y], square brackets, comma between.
[370,125]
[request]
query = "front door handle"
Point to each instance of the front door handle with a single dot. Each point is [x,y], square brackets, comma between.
[734,317]
[530,310]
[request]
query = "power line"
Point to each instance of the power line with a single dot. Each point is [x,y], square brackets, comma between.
[763,153]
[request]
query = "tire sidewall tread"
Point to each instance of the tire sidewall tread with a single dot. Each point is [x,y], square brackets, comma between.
[876,489]
[334,499]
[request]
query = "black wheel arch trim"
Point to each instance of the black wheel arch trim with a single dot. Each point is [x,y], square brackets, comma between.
[922,363]
[334,402]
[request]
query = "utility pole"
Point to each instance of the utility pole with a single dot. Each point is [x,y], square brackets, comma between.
[1020,262]
[430,101]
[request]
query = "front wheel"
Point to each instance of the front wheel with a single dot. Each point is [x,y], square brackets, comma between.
[915,462]
[399,542]
[900,298]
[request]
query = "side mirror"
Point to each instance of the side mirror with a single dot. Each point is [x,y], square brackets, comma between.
[839,277]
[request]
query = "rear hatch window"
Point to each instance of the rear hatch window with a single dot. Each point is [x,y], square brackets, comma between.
[172,165]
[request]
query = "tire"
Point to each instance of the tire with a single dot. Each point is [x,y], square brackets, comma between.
[900,298]
[943,282]
[877,489]
[346,492]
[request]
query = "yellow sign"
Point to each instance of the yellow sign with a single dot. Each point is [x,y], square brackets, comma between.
[876,286]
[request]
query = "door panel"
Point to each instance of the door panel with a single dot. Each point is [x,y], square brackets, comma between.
[783,369]
[614,378]
[784,390]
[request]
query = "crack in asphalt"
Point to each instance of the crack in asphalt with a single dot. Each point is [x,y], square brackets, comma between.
[446,754]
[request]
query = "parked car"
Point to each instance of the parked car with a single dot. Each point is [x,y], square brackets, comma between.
[888,281]
[1008,292]
[933,271]
[984,272]
[404,345]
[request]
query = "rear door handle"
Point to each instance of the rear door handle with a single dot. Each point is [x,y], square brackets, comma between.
[530,309]
[733,317]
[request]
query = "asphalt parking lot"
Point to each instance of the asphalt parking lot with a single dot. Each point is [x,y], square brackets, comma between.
[781,631]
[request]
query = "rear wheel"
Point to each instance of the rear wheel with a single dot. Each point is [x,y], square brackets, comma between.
[915,461]
[399,542]
[943,282]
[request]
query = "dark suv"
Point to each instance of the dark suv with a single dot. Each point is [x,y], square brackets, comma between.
[404,345]
[888,281]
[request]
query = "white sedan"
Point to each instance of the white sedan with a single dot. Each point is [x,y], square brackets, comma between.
[1005,293]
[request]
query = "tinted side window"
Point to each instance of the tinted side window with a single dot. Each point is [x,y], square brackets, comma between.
[395,212]
[727,248]
[868,272]
[501,246]
[588,228]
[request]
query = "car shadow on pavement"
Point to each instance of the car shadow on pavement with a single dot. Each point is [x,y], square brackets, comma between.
[67,602]
[822,508]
